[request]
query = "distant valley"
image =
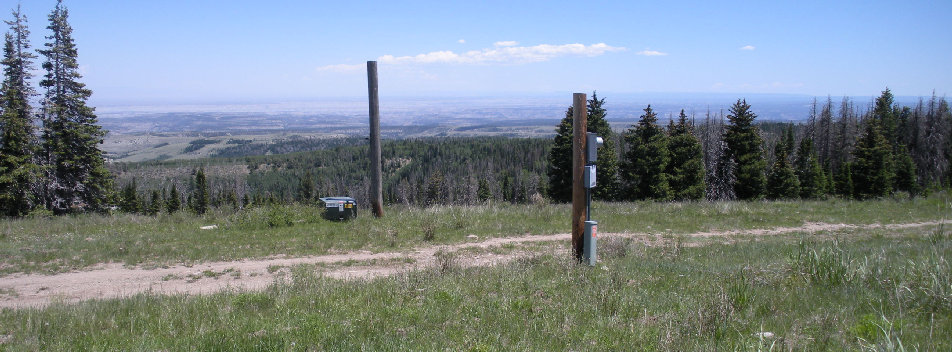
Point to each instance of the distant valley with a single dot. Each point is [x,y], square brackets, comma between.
[159,132]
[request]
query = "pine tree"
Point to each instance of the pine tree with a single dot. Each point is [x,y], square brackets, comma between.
[744,148]
[886,116]
[646,160]
[155,204]
[609,186]
[782,183]
[906,179]
[788,140]
[686,165]
[482,191]
[78,179]
[129,199]
[19,171]
[200,195]
[306,188]
[559,170]
[844,180]
[823,136]
[808,171]
[872,170]
[174,203]
[720,167]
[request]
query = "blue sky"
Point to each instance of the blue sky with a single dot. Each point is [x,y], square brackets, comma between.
[147,52]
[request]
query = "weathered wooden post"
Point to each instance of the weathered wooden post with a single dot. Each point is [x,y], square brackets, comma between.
[376,181]
[579,129]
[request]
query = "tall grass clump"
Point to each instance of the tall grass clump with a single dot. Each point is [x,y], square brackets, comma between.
[828,265]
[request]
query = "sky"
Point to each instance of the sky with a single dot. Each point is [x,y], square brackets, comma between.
[215,51]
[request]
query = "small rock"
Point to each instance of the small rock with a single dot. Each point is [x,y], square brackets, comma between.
[209,227]
[765,334]
[472,237]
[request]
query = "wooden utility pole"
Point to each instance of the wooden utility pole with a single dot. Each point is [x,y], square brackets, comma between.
[579,127]
[376,181]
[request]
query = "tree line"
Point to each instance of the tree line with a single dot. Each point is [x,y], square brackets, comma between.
[49,157]
[417,172]
[846,152]
[843,152]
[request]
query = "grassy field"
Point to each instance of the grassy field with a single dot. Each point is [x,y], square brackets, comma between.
[52,245]
[848,290]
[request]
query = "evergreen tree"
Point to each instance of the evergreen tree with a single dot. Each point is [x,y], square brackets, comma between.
[686,166]
[18,168]
[823,136]
[559,170]
[782,183]
[200,195]
[606,167]
[885,115]
[906,179]
[788,140]
[174,203]
[844,180]
[482,190]
[646,160]
[872,170]
[155,204]
[129,199]
[808,171]
[78,179]
[744,148]
[306,188]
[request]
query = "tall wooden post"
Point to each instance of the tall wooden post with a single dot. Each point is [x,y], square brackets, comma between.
[579,127]
[376,181]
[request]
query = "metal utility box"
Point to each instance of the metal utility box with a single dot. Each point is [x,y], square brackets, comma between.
[339,208]
[591,146]
[589,244]
[590,173]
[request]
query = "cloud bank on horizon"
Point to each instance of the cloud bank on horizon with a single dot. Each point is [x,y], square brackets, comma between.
[502,52]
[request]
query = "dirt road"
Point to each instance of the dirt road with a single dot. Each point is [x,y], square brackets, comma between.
[114,280]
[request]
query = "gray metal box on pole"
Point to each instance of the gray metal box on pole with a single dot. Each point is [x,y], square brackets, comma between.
[589,256]
[591,146]
[590,180]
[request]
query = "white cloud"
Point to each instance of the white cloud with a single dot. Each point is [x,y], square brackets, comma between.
[748,47]
[507,43]
[341,67]
[501,54]
[461,41]
[504,54]
[651,53]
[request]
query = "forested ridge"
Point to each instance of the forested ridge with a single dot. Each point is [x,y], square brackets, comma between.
[840,151]
[417,172]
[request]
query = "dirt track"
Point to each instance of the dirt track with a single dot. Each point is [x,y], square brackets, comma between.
[115,280]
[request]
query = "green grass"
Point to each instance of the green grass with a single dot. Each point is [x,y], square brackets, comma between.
[51,245]
[872,290]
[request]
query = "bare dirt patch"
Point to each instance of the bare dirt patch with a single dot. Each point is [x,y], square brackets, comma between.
[114,280]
